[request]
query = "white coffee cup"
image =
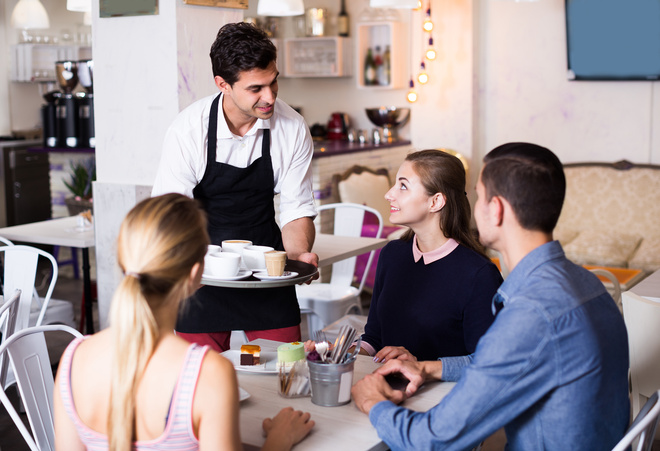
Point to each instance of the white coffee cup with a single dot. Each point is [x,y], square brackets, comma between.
[213,248]
[235,245]
[253,256]
[222,264]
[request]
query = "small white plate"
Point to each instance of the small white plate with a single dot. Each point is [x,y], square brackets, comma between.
[242,274]
[242,394]
[268,361]
[265,276]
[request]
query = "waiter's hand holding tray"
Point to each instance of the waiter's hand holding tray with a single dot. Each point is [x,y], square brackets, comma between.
[295,272]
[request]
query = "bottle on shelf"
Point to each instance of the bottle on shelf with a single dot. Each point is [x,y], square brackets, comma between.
[380,68]
[387,68]
[370,69]
[343,22]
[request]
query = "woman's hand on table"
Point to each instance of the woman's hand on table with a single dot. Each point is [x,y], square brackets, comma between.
[393,352]
[372,389]
[286,429]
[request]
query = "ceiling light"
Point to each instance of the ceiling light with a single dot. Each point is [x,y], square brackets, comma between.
[279,8]
[29,14]
[79,5]
[398,4]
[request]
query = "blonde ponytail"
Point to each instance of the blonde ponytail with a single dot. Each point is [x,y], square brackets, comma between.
[159,242]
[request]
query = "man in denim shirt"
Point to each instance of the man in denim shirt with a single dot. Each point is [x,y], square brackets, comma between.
[553,367]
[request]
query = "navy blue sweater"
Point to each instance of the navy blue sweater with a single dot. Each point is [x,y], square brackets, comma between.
[435,310]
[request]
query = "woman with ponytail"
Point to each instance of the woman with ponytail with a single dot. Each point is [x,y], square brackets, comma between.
[136,385]
[433,289]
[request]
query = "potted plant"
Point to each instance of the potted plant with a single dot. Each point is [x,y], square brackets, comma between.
[83,173]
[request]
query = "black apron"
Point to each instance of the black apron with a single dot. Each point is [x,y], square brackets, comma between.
[239,205]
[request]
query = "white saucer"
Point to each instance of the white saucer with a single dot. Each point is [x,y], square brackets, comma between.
[265,276]
[242,274]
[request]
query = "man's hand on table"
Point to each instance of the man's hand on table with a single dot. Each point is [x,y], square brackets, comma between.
[416,372]
[372,389]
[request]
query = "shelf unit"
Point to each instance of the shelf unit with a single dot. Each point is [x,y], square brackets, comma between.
[381,34]
[36,62]
[317,57]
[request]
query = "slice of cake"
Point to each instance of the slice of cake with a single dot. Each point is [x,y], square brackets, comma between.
[250,354]
[289,353]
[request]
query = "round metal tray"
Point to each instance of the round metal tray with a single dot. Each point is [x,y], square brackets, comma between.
[305,272]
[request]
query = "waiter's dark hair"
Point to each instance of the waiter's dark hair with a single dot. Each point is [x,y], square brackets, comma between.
[531,178]
[240,47]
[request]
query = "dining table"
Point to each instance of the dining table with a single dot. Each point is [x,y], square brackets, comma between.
[334,248]
[66,232]
[342,427]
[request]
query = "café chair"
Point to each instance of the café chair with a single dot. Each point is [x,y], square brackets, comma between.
[324,303]
[28,353]
[643,428]
[8,313]
[367,186]
[642,318]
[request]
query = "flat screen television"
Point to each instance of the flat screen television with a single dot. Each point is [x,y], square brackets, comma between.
[613,39]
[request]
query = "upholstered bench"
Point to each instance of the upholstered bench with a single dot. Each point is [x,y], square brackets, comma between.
[611,215]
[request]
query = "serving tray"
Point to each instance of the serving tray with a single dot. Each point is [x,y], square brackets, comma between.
[305,272]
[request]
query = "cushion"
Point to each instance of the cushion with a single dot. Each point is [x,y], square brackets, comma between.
[564,235]
[647,256]
[592,247]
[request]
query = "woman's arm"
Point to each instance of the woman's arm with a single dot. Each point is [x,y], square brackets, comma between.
[215,407]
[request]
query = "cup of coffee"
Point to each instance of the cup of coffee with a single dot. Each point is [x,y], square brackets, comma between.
[222,264]
[253,256]
[213,248]
[235,245]
[275,262]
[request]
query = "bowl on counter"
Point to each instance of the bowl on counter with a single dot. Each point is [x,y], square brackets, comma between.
[389,118]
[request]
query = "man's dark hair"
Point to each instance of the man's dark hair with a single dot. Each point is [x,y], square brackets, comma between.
[531,178]
[240,47]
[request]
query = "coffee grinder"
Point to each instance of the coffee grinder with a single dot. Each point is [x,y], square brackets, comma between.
[66,111]
[49,116]
[85,102]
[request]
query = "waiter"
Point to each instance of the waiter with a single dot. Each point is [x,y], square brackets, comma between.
[234,151]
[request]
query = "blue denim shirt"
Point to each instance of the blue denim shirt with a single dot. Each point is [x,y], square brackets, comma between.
[552,370]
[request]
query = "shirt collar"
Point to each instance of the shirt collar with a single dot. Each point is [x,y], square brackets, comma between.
[223,128]
[435,254]
[526,266]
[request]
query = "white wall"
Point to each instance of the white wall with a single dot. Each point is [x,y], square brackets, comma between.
[525,95]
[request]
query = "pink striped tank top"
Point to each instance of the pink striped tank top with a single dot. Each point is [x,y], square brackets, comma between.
[178,434]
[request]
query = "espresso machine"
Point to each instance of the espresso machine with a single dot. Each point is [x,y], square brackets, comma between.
[85,102]
[66,107]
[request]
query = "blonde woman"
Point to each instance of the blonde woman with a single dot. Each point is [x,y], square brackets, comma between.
[136,385]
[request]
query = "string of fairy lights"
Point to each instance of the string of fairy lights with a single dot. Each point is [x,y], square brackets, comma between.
[429,53]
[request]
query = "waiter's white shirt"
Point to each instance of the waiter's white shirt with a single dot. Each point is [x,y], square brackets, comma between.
[183,160]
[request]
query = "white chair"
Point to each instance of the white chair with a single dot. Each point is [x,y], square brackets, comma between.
[20,271]
[616,295]
[30,361]
[642,318]
[8,313]
[324,303]
[643,427]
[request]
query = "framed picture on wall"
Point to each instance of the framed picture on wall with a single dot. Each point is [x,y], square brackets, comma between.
[241,4]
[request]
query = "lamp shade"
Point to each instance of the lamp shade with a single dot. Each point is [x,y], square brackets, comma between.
[29,14]
[79,5]
[398,4]
[280,8]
